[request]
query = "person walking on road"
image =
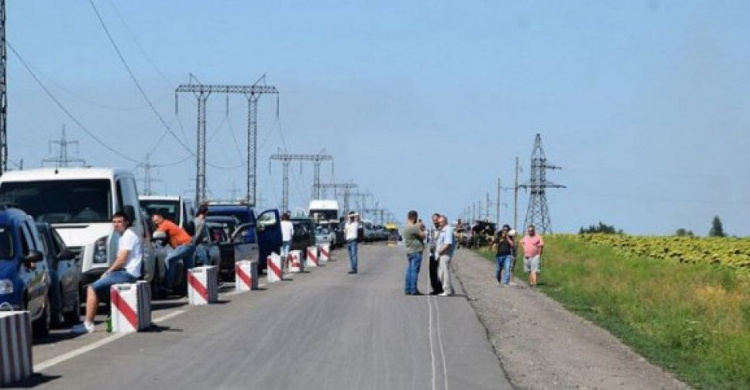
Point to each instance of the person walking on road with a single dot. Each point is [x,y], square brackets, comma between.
[533,246]
[445,246]
[437,287]
[414,236]
[351,232]
[505,248]
[125,269]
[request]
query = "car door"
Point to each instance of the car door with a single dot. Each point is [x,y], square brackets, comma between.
[269,234]
[35,278]
[68,268]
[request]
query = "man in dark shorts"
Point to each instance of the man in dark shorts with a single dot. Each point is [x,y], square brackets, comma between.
[125,269]
[437,287]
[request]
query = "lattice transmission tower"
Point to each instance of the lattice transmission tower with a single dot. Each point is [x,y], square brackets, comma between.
[287,158]
[62,158]
[3,96]
[538,213]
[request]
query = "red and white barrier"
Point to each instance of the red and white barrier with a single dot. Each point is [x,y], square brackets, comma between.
[203,285]
[246,275]
[274,270]
[295,262]
[312,257]
[324,253]
[15,346]
[131,307]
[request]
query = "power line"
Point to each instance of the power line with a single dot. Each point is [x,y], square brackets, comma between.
[66,111]
[133,78]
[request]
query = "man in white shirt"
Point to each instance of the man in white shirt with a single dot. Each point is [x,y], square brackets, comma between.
[444,253]
[351,230]
[125,269]
[287,231]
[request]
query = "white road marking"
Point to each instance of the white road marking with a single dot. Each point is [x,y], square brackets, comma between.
[440,342]
[88,348]
[432,349]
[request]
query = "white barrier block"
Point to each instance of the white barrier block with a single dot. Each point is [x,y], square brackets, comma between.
[246,275]
[295,262]
[131,307]
[15,346]
[324,253]
[203,285]
[312,257]
[274,269]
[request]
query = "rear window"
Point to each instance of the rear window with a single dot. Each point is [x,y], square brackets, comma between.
[6,243]
[243,216]
[168,209]
[61,201]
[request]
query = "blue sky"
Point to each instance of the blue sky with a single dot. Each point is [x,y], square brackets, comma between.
[425,104]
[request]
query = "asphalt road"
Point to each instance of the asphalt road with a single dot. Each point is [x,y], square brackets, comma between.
[324,329]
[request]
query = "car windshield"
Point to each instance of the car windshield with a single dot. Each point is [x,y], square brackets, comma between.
[61,201]
[168,209]
[323,215]
[6,243]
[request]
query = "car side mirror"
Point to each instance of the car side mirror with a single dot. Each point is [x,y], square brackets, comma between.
[159,236]
[32,258]
[66,255]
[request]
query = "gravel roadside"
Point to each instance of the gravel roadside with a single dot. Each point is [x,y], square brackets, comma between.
[543,346]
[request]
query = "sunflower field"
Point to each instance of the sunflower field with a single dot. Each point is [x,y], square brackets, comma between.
[727,251]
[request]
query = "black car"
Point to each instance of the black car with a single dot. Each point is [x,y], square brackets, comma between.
[304,234]
[66,289]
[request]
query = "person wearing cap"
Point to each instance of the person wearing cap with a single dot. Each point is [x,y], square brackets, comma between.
[351,230]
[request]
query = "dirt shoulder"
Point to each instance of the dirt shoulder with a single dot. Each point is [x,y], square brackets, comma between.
[543,346]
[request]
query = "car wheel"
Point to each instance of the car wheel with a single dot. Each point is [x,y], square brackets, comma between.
[74,316]
[40,327]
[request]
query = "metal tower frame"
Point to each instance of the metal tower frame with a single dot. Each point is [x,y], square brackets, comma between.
[62,159]
[286,158]
[252,93]
[347,187]
[3,94]
[537,213]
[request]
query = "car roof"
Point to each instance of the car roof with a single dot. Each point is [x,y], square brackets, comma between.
[11,213]
[65,173]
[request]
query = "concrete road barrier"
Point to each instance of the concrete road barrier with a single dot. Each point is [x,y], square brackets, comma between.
[15,346]
[203,285]
[295,262]
[131,307]
[275,268]
[324,253]
[312,257]
[246,275]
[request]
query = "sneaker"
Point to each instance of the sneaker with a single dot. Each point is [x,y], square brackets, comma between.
[85,327]
[445,294]
[512,283]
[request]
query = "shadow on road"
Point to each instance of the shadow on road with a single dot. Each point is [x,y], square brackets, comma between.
[35,380]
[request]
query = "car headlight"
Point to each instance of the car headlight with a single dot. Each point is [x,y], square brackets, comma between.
[100,250]
[6,286]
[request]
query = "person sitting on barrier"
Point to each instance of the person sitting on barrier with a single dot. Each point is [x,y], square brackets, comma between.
[200,239]
[184,249]
[125,269]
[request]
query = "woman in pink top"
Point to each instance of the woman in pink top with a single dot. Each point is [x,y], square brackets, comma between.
[532,245]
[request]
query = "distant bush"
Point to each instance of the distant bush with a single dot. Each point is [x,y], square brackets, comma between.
[600,228]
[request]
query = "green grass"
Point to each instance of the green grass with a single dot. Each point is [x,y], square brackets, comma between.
[693,320]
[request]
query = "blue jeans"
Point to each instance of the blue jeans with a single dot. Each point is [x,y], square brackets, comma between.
[285,247]
[503,267]
[412,272]
[101,286]
[202,254]
[352,247]
[182,252]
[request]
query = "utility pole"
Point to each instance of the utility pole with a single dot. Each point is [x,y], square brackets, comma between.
[148,178]
[286,158]
[62,159]
[537,213]
[497,205]
[252,93]
[515,198]
[487,207]
[3,94]
[234,192]
[347,187]
[362,205]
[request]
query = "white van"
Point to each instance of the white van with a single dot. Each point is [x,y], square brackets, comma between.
[79,203]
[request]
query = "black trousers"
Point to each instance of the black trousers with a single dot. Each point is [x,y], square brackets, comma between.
[437,287]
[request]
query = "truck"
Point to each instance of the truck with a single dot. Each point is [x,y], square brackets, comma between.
[321,210]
